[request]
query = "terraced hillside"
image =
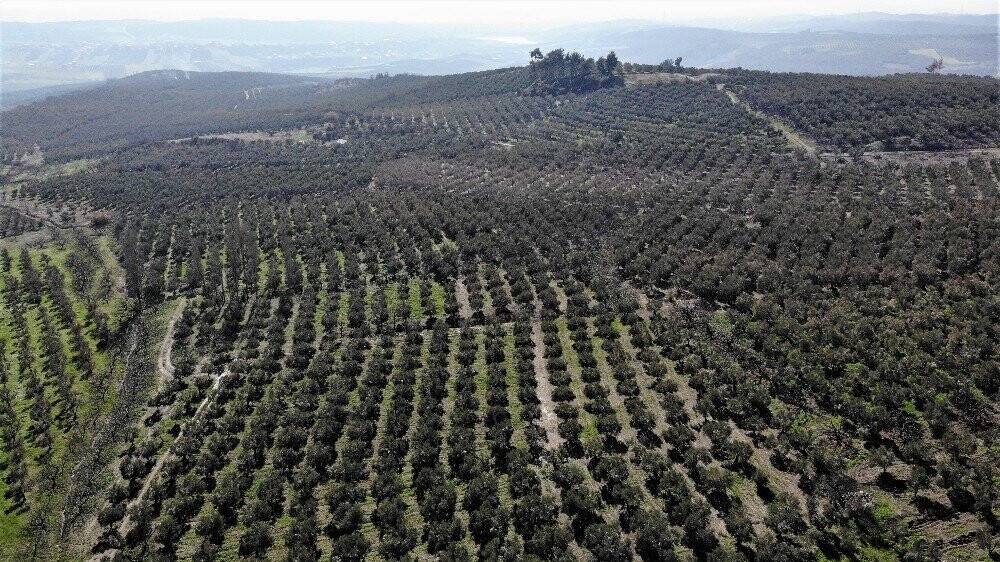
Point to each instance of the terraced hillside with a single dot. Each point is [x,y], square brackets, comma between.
[486,322]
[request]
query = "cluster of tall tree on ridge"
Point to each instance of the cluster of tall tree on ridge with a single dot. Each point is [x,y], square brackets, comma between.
[557,72]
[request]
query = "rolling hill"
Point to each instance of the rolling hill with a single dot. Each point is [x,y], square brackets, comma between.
[575,310]
[46,54]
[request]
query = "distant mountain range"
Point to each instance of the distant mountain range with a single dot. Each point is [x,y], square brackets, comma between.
[871,22]
[40,59]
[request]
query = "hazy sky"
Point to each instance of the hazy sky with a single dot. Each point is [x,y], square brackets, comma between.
[486,11]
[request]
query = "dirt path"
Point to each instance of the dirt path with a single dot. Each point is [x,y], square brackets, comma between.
[779,479]
[164,364]
[462,296]
[690,397]
[158,466]
[640,79]
[560,296]
[489,310]
[548,420]
[124,524]
[928,157]
[794,138]
[645,382]
[644,306]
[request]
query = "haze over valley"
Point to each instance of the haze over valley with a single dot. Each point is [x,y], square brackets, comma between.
[41,58]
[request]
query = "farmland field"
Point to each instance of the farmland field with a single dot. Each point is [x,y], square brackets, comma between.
[516,314]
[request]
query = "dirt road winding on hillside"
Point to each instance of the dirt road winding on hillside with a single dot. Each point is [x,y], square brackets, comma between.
[796,139]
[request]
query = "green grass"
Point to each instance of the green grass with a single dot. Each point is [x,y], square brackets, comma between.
[883,512]
[413,296]
[116,306]
[107,294]
[438,298]
[587,420]
[322,298]
[262,270]
[871,553]
[392,298]
[481,379]
[368,506]
[345,308]
[413,517]
[516,408]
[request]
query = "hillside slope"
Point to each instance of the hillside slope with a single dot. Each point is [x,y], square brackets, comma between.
[157,105]
[940,112]
[465,319]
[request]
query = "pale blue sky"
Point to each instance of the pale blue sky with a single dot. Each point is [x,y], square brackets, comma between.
[484,11]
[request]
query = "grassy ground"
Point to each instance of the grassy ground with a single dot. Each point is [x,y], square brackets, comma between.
[67,442]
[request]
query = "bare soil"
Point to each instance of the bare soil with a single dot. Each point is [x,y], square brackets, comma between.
[796,139]
[930,157]
[549,420]
[164,364]
[640,79]
[779,479]
[462,296]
